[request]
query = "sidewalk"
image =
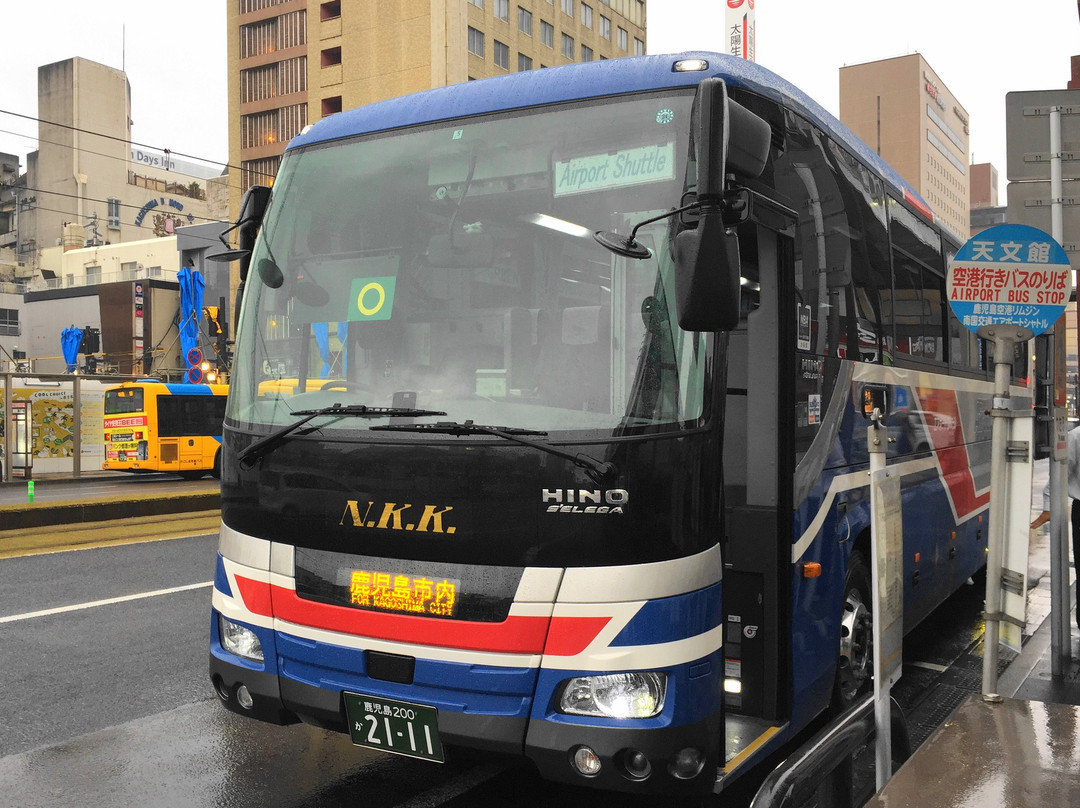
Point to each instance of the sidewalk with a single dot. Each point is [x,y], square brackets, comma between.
[1022,751]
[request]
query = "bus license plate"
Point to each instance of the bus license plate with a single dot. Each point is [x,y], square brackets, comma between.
[394,726]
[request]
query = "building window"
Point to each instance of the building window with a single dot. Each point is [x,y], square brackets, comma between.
[258,37]
[258,172]
[502,10]
[331,57]
[292,76]
[623,39]
[586,15]
[524,62]
[605,27]
[9,322]
[586,53]
[129,270]
[525,21]
[568,7]
[328,11]
[568,46]
[477,3]
[501,54]
[114,213]
[292,29]
[331,106]
[547,33]
[476,42]
[639,47]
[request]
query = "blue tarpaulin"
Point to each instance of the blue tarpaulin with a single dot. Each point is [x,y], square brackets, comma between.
[322,339]
[191,303]
[70,340]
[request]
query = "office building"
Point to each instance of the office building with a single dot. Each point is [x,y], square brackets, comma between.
[906,113]
[292,62]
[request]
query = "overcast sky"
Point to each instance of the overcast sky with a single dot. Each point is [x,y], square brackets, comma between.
[174,56]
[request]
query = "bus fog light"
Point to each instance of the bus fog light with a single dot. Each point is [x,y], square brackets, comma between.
[240,640]
[687,763]
[637,764]
[586,761]
[243,697]
[616,695]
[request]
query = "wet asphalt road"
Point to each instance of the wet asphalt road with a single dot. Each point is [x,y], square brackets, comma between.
[109,704]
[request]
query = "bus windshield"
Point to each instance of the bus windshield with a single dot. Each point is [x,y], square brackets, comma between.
[452,268]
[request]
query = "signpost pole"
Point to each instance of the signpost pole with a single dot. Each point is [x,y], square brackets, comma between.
[1004,338]
[1060,636]
[886,558]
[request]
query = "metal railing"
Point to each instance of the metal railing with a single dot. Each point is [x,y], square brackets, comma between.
[820,772]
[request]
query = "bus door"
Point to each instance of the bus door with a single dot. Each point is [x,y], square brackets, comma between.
[757,549]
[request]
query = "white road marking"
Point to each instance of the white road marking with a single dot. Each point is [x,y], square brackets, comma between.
[106,602]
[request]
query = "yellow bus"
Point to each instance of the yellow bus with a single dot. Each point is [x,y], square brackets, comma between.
[154,426]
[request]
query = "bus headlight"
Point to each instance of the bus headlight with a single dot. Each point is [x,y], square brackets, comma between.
[615,695]
[239,640]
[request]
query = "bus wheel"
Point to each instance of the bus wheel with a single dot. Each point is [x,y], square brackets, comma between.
[215,472]
[855,664]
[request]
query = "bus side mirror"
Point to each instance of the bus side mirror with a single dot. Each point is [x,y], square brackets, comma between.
[252,210]
[727,138]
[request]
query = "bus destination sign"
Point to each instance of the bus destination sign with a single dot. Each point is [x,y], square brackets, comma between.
[1011,274]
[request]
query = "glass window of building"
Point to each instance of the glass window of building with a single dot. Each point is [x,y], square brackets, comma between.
[502,10]
[623,38]
[524,62]
[525,21]
[476,42]
[568,7]
[547,33]
[586,15]
[568,46]
[502,54]
[605,27]
[586,53]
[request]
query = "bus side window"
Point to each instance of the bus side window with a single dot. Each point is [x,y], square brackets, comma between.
[919,283]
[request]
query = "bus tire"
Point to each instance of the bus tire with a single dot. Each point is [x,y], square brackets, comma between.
[215,472]
[854,668]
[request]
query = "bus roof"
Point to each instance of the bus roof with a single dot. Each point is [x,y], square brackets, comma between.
[574,82]
[176,389]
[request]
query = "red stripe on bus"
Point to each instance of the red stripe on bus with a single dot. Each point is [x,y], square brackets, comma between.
[569,636]
[953,457]
[515,635]
[256,596]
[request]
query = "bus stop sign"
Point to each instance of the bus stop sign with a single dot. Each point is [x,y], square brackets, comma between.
[1011,274]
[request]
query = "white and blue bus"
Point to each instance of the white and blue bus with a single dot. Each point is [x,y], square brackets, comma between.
[562,377]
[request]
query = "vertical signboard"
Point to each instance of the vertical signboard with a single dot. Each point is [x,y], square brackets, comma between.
[137,327]
[741,28]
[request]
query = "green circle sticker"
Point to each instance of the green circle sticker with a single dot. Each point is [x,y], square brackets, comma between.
[371,298]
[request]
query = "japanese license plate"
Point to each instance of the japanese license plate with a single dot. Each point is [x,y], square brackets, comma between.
[394,726]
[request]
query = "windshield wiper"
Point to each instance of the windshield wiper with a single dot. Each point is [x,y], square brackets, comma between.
[599,470]
[264,445]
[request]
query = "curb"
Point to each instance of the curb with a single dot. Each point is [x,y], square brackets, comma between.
[21,517]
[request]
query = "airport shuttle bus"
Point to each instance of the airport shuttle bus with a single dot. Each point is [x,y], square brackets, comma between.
[155,426]
[583,477]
